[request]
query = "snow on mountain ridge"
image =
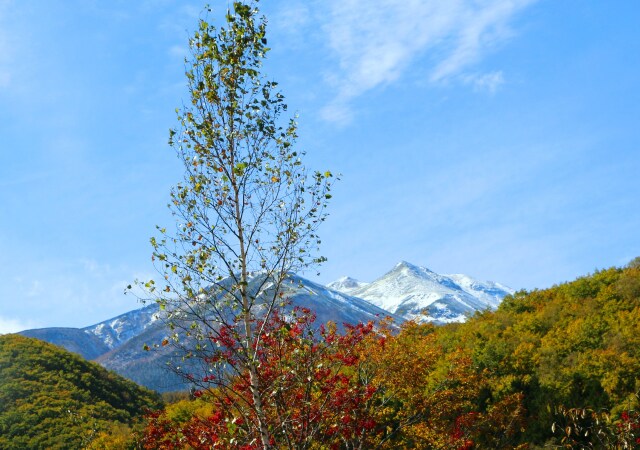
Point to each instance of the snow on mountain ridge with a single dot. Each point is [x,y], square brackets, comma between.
[333,301]
[116,331]
[410,291]
[489,291]
[346,285]
[417,293]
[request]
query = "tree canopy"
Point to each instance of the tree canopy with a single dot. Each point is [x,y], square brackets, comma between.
[54,399]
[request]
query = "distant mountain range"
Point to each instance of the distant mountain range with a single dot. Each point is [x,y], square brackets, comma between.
[405,292]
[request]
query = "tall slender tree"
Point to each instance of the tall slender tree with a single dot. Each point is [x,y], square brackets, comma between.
[247,210]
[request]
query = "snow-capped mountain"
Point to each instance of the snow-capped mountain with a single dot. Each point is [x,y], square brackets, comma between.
[120,329]
[417,293]
[405,292]
[118,343]
[346,285]
[489,292]
[332,305]
[149,368]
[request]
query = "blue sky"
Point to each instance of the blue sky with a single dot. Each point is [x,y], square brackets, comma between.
[496,138]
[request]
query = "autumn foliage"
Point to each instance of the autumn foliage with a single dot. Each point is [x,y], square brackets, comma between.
[362,387]
[557,368]
[587,428]
[53,399]
[315,390]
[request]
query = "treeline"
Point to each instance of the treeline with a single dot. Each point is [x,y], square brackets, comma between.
[554,368]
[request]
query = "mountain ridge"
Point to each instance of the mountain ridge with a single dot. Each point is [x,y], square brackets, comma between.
[418,293]
[405,292]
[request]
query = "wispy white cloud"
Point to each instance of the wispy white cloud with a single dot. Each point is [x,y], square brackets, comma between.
[179,21]
[338,111]
[478,27]
[377,41]
[290,18]
[489,82]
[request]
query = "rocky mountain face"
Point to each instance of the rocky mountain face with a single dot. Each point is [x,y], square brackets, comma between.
[417,293]
[405,292]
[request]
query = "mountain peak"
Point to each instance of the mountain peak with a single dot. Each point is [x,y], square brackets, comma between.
[406,264]
[346,285]
[414,269]
[347,280]
[415,292]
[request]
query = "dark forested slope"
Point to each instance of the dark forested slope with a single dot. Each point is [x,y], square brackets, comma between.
[51,398]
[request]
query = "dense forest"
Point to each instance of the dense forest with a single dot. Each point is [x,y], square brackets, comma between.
[54,399]
[553,368]
[571,352]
